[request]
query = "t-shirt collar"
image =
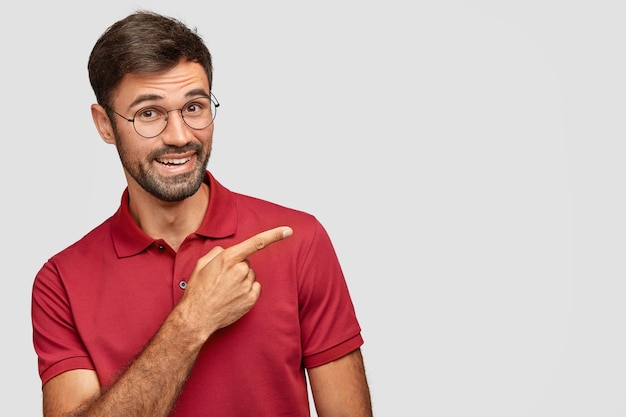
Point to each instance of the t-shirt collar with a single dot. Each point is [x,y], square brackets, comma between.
[220,220]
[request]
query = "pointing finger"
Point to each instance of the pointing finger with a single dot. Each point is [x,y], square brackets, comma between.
[242,250]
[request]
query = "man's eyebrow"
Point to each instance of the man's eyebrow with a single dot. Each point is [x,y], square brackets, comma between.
[144,97]
[155,97]
[196,92]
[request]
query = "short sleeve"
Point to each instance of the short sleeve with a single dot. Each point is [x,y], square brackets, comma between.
[56,341]
[329,326]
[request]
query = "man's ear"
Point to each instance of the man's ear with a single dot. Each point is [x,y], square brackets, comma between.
[103,123]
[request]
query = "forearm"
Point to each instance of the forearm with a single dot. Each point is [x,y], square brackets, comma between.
[340,388]
[152,383]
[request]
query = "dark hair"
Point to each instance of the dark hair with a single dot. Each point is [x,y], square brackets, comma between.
[143,43]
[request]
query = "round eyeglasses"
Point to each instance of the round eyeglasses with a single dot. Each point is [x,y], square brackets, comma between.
[151,121]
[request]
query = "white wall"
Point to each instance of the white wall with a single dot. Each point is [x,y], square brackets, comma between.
[465,157]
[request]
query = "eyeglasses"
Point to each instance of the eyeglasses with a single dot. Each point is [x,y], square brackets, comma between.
[151,121]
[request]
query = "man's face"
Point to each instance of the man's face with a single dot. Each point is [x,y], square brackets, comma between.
[171,165]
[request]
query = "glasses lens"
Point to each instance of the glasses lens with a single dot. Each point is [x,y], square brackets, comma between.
[150,121]
[199,113]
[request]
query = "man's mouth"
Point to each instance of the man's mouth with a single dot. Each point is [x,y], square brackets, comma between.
[173,161]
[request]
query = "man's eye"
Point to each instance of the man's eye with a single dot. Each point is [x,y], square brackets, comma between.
[193,108]
[148,114]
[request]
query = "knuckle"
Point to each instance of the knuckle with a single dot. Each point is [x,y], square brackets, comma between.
[259,243]
[241,268]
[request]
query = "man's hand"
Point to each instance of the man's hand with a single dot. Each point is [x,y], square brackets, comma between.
[222,287]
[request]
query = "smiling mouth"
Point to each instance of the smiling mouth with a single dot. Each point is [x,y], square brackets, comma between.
[173,161]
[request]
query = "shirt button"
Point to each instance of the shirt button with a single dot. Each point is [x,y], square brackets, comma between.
[182,285]
[161,248]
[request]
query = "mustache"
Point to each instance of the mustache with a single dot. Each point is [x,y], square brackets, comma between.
[176,150]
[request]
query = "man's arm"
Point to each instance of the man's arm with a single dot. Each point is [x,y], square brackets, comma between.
[340,387]
[221,289]
[149,387]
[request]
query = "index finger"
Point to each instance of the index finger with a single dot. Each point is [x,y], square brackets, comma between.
[254,244]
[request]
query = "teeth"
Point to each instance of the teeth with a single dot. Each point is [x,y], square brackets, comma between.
[173,161]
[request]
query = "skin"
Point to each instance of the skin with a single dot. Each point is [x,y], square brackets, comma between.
[168,201]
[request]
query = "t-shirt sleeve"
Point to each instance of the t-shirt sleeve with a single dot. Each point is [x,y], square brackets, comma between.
[329,326]
[56,341]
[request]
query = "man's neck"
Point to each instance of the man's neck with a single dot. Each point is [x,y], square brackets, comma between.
[170,221]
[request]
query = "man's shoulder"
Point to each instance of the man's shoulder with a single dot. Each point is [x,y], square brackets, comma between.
[97,239]
[252,202]
[255,214]
[250,205]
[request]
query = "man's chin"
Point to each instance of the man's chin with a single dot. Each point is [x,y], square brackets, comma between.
[174,188]
[177,192]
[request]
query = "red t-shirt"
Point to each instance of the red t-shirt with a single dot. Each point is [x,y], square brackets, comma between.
[97,303]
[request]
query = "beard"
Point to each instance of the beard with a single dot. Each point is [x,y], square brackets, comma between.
[170,188]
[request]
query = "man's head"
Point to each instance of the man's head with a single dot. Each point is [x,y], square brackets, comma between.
[152,79]
[142,43]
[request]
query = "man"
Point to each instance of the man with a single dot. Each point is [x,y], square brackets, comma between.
[191,300]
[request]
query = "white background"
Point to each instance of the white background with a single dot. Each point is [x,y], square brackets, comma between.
[465,157]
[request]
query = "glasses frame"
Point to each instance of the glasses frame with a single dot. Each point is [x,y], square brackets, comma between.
[211,98]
